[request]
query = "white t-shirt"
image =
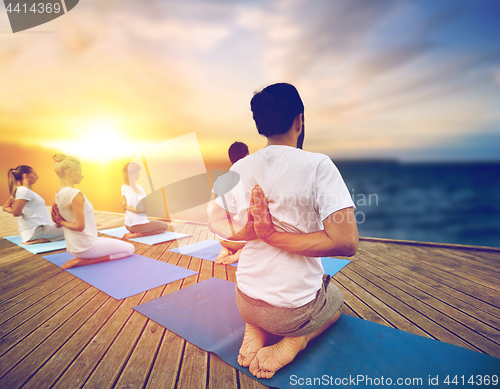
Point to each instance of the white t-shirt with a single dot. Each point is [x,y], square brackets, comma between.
[35,212]
[77,241]
[303,189]
[133,198]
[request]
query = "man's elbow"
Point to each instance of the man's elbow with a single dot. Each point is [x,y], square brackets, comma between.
[80,227]
[350,246]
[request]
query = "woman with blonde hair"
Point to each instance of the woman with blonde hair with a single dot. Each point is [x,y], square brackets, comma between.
[133,203]
[35,225]
[75,213]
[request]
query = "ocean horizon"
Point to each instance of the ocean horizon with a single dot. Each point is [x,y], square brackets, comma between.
[442,202]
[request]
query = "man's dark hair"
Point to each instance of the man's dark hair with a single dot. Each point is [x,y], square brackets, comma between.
[275,107]
[237,151]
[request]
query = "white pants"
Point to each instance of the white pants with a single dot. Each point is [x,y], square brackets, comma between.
[48,232]
[106,246]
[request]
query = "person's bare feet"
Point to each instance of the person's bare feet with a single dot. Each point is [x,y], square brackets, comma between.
[253,341]
[41,240]
[76,262]
[226,258]
[130,235]
[269,360]
[224,253]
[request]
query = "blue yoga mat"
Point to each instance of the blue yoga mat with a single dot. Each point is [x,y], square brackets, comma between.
[333,265]
[353,351]
[209,249]
[151,239]
[38,247]
[124,277]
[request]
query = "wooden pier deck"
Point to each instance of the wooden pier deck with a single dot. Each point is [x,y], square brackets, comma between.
[57,331]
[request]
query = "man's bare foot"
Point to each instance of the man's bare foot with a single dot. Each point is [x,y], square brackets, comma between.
[253,341]
[270,359]
[41,240]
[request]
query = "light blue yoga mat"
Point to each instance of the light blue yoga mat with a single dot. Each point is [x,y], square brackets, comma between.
[333,265]
[151,239]
[209,249]
[38,247]
[350,353]
[124,277]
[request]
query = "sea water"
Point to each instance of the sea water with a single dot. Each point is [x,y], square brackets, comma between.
[432,202]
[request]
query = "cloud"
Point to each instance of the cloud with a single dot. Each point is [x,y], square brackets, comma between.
[173,67]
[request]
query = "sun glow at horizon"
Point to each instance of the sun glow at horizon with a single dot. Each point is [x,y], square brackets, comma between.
[98,140]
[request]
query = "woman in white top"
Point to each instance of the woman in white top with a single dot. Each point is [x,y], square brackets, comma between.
[35,225]
[75,213]
[294,208]
[133,203]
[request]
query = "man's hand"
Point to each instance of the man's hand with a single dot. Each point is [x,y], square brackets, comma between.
[259,211]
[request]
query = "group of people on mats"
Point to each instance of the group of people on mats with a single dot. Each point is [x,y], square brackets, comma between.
[72,216]
[288,208]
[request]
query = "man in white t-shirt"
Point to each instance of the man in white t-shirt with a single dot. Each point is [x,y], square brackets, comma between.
[294,208]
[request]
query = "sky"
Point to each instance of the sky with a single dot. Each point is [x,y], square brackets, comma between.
[388,79]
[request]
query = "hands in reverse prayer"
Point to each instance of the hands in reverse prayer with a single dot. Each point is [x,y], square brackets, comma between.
[259,213]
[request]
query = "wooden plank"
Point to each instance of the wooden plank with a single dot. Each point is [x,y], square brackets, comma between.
[26,272]
[460,267]
[18,304]
[37,291]
[130,351]
[428,276]
[193,372]
[110,366]
[62,326]
[13,258]
[454,308]
[194,367]
[447,329]
[382,279]
[139,364]
[388,312]
[21,325]
[136,372]
[359,309]
[73,336]
[221,375]
[405,306]
[170,359]
[486,261]
[448,297]
[451,277]
[90,357]
[166,366]
[247,382]
[398,242]
[8,293]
